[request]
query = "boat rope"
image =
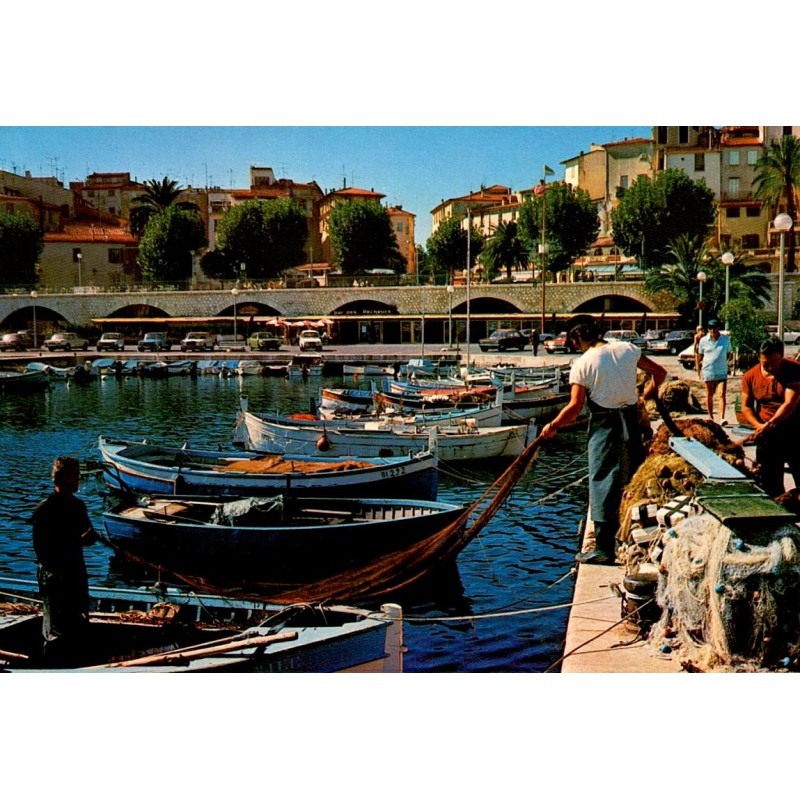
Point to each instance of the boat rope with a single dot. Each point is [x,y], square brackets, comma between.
[630,615]
[502,614]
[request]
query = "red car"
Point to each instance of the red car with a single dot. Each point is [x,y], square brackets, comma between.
[558,345]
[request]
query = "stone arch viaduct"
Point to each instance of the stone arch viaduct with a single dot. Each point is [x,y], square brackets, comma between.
[486,300]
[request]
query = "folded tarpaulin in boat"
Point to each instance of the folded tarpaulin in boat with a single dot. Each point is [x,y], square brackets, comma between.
[229,513]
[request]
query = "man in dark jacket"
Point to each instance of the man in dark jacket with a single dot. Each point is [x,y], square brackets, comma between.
[61,529]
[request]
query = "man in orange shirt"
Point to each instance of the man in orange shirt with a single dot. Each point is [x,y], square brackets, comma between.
[770,396]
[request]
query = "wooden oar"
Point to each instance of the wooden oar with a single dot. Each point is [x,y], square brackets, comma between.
[189,654]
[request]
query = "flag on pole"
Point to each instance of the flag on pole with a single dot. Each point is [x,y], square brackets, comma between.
[548,171]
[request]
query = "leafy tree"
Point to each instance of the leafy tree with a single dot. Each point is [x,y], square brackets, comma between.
[20,247]
[746,323]
[571,223]
[447,248]
[157,196]
[777,177]
[652,214]
[165,249]
[362,238]
[504,250]
[267,236]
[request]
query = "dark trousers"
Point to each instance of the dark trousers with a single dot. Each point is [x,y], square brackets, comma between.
[615,453]
[773,452]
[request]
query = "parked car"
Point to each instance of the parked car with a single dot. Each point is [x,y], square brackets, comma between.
[686,357]
[66,341]
[262,340]
[310,340]
[559,344]
[19,340]
[198,341]
[624,336]
[111,340]
[546,337]
[154,342]
[504,339]
[789,336]
[672,343]
[230,341]
[653,336]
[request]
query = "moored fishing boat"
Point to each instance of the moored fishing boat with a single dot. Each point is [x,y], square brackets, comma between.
[383,576]
[23,382]
[249,366]
[144,467]
[280,540]
[168,629]
[463,441]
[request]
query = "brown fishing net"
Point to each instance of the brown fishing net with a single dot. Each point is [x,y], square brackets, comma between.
[277,465]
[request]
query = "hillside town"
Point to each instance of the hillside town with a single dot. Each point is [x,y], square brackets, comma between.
[88,239]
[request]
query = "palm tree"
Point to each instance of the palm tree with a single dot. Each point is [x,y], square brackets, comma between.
[745,283]
[680,279]
[157,196]
[777,178]
[504,250]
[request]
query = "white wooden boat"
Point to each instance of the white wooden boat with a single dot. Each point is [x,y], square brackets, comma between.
[147,468]
[460,442]
[135,630]
[249,366]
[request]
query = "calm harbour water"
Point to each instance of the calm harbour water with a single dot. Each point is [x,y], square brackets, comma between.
[511,566]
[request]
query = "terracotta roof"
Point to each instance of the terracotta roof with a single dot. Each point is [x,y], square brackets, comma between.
[352,190]
[400,211]
[640,140]
[76,232]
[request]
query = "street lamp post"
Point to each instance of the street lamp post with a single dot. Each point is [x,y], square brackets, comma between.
[701,278]
[34,295]
[234,293]
[543,276]
[782,223]
[727,259]
[80,262]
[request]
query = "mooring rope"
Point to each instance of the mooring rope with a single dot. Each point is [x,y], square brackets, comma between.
[628,616]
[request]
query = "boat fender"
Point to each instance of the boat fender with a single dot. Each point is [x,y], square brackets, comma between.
[323,444]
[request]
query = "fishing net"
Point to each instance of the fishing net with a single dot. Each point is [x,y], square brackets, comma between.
[729,601]
[277,465]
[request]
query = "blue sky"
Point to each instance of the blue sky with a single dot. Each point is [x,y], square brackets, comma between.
[415,167]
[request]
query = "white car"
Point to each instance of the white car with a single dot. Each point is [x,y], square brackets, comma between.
[198,341]
[789,336]
[66,341]
[111,341]
[310,340]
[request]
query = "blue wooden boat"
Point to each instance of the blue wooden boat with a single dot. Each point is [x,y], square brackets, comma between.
[280,541]
[168,629]
[144,467]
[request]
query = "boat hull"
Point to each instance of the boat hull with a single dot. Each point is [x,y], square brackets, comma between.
[153,469]
[452,444]
[293,541]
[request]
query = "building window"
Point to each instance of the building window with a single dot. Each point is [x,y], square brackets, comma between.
[398,226]
[623,181]
[750,241]
[699,162]
[787,130]
[752,157]
[112,210]
[732,212]
[114,255]
[733,187]
[683,134]
[662,134]
[76,251]
[733,158]
[110,192]
[753,211]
